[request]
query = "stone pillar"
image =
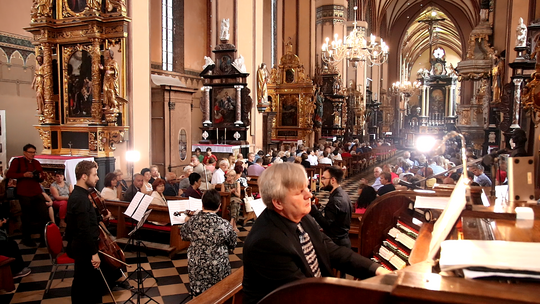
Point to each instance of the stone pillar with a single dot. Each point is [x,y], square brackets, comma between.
[238,121]
[423,119]
[96,80]
[206,110]
[330,20]
[49,104]
[517,103]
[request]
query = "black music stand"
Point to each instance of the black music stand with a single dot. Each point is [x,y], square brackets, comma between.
[140,291]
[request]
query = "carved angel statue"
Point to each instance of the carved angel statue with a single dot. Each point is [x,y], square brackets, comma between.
[262,82]
[207,61]
[224,36]
[41,8]
[110,82]
[521,31]
[239,64]
[120,5]
[38,84]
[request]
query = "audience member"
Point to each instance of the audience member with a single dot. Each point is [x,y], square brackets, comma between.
[10,249]
[172,187]
[325,160]
[312,158]
[29,175]
[239,170]
[122,185]
[135,187]
[501,176]
[210,238]
[251,159]
[283,239]
[479,176]
[157,194]
[377,174]
[366,195]
[199,154]
[154,172]
[231,185]
[60,191]
[195,182]
[147,187]
[184,183]
[257,169]
[203,173]
[407,158]
[110,191]
[386,181]
[219,175]
[208,156]
[305,162]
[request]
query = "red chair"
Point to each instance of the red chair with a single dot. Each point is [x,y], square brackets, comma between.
[6,277]
[55,245]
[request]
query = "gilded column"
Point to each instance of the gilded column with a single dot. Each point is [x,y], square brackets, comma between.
[517,103]
[49,109]
[96,84]
[206,106]
[238,121]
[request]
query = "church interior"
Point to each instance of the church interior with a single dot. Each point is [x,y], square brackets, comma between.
[364,84]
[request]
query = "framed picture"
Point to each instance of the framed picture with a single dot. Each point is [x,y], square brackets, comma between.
[224,105]
[78,84]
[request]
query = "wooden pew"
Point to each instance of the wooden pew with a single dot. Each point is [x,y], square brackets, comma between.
[228,290]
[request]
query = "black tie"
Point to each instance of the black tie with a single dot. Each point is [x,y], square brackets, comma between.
[309,251]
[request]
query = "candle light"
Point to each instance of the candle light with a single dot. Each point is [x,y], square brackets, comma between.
[225,136]
[217,136]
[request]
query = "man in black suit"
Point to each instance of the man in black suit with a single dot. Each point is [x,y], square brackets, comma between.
[386,181]
[134,188]
[285,245]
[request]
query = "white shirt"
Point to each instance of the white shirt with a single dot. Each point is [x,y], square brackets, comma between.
[218,177]
[377,184]
[109,194]
[325,160]
[312,159]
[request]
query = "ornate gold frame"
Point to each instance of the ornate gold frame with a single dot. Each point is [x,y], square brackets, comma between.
[531,98]
[67,52]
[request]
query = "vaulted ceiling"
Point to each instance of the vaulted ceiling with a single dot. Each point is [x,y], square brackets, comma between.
[397,21]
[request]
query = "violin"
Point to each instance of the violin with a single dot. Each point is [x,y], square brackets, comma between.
[187,212]
[111,252]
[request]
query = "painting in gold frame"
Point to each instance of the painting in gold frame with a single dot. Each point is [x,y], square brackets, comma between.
[78,84]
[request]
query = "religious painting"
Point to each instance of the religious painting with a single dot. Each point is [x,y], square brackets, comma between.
[436,101]
[289,110]
[289,76]
[182,144]
[76,6]
[79,84]
[224,105]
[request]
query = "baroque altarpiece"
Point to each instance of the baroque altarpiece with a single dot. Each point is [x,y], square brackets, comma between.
[80,77]
[291,93]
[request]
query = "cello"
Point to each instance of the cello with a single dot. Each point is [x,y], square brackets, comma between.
[112,254]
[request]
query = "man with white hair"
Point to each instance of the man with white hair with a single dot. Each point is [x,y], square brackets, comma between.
[184,183]
[199,168]
[219,175]
[377,174]
[171,185]
[407,158]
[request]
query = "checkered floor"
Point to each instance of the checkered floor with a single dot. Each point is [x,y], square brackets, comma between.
[172,274]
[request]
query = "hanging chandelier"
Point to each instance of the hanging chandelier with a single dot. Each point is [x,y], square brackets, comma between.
[355,48]
[406,88]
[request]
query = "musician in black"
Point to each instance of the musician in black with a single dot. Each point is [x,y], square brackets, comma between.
[82,235]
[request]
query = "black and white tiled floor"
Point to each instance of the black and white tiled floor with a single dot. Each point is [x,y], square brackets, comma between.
[172,274]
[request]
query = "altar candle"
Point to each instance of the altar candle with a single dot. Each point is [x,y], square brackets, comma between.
[225,135]
[217,136]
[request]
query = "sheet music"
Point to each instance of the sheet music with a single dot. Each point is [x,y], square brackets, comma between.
[434,202]
[195,204]
[138,206]
[258,206]
[177,207]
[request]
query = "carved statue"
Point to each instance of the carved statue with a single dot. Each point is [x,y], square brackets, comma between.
[247,104]
[38,84]
[120,5]
[110,82]
[207,61]
[224,36]
[521,34]
[336,86]
[319,102]
[262,82]
[239,65]
[94,4]
[41,8]
[498,76]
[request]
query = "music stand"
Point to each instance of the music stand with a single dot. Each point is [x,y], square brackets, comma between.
[140,291]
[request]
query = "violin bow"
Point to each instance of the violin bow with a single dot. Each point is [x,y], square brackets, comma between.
[108,288]
[111,257]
